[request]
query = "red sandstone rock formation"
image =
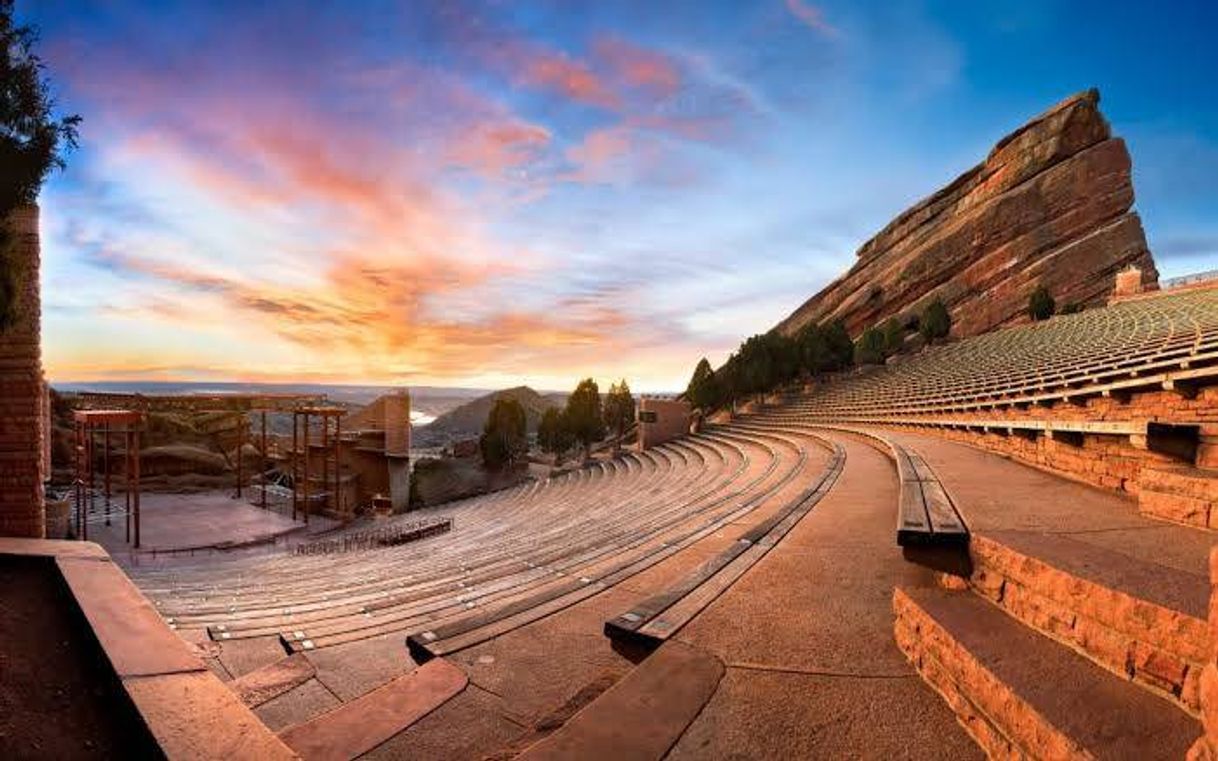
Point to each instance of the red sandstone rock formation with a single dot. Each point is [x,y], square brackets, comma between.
[1050,205]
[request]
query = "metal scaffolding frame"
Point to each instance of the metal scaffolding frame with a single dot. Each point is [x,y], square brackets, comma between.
[88,425]
[302,457]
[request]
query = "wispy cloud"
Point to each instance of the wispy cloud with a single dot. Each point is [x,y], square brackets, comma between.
[812,17]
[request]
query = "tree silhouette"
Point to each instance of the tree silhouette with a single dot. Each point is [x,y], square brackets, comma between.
[619,411]
[504,441]
[553,433]
[1041,305]
[935,322]
[583,413]
[703,389]
[32,140]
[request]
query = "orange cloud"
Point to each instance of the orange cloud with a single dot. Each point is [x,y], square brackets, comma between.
[396,270]
[368,317]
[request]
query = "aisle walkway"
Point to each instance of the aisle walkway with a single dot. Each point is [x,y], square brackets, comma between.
[1090,531]
[806,638]
[525,682]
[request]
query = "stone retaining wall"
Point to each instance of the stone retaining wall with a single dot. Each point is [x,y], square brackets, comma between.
[1169,487]
[1206,748]
[1157,647]
[982,703]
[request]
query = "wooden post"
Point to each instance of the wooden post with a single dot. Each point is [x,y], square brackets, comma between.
[127,471]
[295,446]
[338,435]
[84,530]
[106,465]
[77,490]
[264,460]
[240,446]
[305,482]
[135,500]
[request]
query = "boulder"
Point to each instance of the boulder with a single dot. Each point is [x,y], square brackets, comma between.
[1051,205]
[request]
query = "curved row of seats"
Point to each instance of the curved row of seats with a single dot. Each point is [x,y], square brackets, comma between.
[511,554]
[1121,346]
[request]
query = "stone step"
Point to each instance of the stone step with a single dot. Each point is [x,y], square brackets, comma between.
[272,680]
[1180,495]
[1020,694]
[644,714]
[357,727]
[1143,621]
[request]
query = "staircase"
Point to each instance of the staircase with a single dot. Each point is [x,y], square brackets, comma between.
[1054,648]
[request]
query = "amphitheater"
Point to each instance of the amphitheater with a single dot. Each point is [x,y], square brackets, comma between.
[996,546]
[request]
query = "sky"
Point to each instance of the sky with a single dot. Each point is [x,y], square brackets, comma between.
[453,193]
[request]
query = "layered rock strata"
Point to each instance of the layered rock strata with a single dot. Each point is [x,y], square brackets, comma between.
[1050,205]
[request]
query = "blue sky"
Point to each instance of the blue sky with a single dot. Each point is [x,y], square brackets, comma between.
[485,194]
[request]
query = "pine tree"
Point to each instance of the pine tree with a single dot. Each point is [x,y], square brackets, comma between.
[1041,305]
[894,336]
[870,348]
[584,418]
[553,433]
[936,322]
[619,411]
[32,141]
[702,391]
[504,439]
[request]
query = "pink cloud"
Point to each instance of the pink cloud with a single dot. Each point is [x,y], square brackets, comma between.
[600,152]
[394,248]
[495,147]
[638,66]
[556,71]
[812,17]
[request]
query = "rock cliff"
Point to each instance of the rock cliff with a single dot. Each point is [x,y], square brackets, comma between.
[1050,205]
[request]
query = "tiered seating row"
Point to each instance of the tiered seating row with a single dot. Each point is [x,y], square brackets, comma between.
[1169,341]
[637,557]
[512,556]
[656,618]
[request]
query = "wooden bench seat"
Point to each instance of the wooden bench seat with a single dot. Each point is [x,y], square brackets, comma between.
[654,619]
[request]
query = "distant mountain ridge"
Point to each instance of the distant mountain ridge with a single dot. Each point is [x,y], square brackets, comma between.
[355,393]
[468,418]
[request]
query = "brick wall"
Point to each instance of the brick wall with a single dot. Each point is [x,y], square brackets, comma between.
[21,390]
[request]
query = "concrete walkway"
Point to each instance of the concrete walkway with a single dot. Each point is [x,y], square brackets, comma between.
[530,680]
[806,638]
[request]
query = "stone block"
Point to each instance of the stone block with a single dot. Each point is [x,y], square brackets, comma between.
[1174,507]
[1105,645]
[1158,669]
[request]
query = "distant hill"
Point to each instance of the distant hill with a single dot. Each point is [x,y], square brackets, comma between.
[468,419]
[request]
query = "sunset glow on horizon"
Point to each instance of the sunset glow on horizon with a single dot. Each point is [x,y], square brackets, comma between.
[493,194]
